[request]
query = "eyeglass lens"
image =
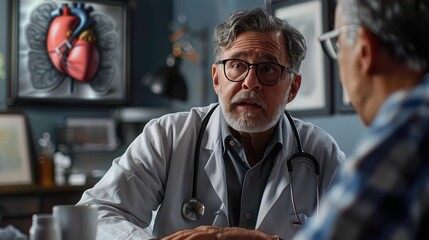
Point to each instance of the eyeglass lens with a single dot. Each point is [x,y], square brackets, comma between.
[268,73]
[331,47]
[329,40]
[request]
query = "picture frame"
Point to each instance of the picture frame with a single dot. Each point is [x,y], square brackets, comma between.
[307,16]
[89,134]
[16,153]
[68,52]
[342,102]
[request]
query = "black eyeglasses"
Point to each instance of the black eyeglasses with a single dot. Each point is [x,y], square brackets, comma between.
[329,40]
[268,73]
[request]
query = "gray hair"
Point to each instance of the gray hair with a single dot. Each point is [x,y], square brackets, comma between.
[400,24]
[259,20]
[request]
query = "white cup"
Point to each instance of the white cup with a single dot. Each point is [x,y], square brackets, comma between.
[76,222]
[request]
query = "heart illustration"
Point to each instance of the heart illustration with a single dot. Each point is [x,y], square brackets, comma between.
[71,43]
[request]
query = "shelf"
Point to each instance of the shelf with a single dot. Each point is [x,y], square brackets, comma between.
[36,189]
[18,203]
[141,114]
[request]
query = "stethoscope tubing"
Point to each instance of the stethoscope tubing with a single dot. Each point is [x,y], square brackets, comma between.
[197,152]
[193,208]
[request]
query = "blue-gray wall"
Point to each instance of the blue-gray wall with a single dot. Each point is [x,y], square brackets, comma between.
[202,17]
[345,128]
[149,48]
[3,47]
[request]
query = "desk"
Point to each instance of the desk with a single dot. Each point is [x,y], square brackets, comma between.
[19,203]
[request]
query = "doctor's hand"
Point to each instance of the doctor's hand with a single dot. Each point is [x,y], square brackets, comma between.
[215,233]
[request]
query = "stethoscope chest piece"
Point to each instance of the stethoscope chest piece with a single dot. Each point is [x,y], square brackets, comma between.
[193,209]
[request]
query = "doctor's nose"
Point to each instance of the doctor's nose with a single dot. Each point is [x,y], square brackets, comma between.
[252,81]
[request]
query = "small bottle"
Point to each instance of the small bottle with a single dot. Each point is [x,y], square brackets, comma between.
[44,227]
[46,161]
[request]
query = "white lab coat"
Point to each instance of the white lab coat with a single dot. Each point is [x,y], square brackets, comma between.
[155,173]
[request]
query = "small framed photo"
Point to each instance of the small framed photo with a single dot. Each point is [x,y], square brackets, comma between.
[15,150]
[307,17]
[342,102]
[89,134]
[68,51]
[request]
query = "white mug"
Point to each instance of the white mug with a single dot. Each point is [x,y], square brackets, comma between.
[76,222]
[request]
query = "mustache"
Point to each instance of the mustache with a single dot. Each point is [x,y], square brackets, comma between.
[248,97]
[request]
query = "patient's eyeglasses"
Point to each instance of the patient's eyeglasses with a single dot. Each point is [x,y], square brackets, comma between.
[268,73]
[329,40]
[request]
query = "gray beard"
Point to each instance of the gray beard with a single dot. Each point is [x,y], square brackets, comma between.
[249,122]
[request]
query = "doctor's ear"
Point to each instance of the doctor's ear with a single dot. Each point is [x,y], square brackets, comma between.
[215,77]
[294,87]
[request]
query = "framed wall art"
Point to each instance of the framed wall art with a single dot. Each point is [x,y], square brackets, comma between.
[15,150]
[68,51]
[342,102]
[307,17]
[89,134]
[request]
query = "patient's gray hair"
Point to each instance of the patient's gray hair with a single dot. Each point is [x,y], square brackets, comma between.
[400,24]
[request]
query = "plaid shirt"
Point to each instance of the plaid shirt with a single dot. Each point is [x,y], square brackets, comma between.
[383,192]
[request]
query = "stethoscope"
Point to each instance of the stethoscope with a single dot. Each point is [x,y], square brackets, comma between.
[193,209]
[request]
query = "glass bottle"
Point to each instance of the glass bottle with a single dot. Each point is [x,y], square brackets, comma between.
[46,161]
[44,227]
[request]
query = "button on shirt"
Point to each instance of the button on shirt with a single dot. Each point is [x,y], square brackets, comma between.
[245,184]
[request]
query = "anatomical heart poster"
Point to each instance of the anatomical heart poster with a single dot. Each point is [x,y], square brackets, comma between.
[68,51]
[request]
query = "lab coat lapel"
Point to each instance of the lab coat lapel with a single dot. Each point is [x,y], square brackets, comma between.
[276,184]
[279,177]
[215,170]
[214,167]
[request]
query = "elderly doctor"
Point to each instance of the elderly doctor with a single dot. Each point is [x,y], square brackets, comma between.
[237,169]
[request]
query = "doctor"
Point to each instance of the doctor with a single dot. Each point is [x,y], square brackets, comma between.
[238,169]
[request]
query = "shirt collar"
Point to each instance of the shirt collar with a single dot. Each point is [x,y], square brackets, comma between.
[393,113]
[401,103]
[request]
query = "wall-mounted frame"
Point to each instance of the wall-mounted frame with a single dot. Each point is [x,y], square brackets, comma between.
[307,16]
[68,52]
[341,102]
[89,134]
[15,150]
